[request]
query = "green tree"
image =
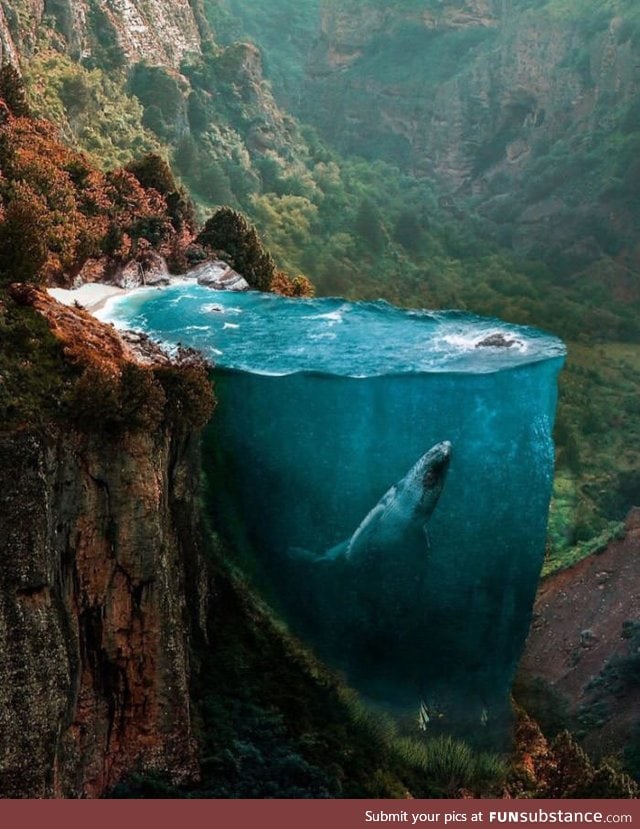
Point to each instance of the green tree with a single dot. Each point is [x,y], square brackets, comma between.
[12,90]
[152,171]
[198,111]
[24,234]
[230,235]
[160,94]
[213,183]
[368,225]
[408,231]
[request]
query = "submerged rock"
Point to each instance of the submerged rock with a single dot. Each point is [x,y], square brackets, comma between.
[497,340]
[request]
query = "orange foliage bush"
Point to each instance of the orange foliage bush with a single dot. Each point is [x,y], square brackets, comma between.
[58,210]
[298,286]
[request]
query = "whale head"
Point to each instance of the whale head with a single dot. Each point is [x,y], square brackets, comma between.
[430,474]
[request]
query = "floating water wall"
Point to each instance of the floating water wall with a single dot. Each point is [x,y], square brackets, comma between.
[323,407]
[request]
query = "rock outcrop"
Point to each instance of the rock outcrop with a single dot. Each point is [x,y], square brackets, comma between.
[219,275]
[157,31]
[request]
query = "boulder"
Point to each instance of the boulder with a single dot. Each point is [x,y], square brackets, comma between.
[496,340]
[155,271]
[220,276]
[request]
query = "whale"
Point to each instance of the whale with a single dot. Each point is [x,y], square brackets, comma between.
[401,514]
[362,602]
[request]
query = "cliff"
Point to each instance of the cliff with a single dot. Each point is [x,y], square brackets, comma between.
[133,659]
[162,31]
[95,621]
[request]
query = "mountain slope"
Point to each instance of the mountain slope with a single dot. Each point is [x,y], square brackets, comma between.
[525,113]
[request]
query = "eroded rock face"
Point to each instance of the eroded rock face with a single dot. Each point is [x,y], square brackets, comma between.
[94,660]
[219,275]
[8,51]
[159,31]
[102,587]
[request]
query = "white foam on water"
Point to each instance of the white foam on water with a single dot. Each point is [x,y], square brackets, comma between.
[327,335]
[332,317]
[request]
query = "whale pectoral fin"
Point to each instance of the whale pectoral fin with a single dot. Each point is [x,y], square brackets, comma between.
[425,530]
[300,555]
[339,551]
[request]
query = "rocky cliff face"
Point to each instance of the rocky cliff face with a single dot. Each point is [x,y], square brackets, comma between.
[470,71]
[8,51]
[159,31]
[97,539]
[346,29]
[95,653]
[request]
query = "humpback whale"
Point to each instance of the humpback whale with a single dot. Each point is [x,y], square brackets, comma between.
[403,510]
[401,513]
[363,601]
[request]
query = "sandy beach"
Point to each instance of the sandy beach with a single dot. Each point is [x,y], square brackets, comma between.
[92,296]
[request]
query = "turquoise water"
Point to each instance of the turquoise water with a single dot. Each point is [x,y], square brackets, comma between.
[323,406]
[271,335]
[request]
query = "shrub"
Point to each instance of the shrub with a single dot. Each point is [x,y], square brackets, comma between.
[450,765]
[116,403]
[295,286]
[188,390]
[23,234]
[153,172]
[159,91]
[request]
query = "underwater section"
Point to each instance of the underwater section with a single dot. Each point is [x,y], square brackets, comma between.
[392,471]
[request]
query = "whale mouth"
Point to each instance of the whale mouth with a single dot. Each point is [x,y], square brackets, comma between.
[442,455]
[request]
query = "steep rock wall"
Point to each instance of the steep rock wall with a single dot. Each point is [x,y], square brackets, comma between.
[511,67]
[158,31]
[584,642]
[8,51]
[94,651]
[102,583]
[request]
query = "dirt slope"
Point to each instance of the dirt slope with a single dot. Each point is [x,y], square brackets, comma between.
[584,643]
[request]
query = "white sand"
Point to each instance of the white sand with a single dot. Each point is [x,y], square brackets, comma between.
[92,296]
